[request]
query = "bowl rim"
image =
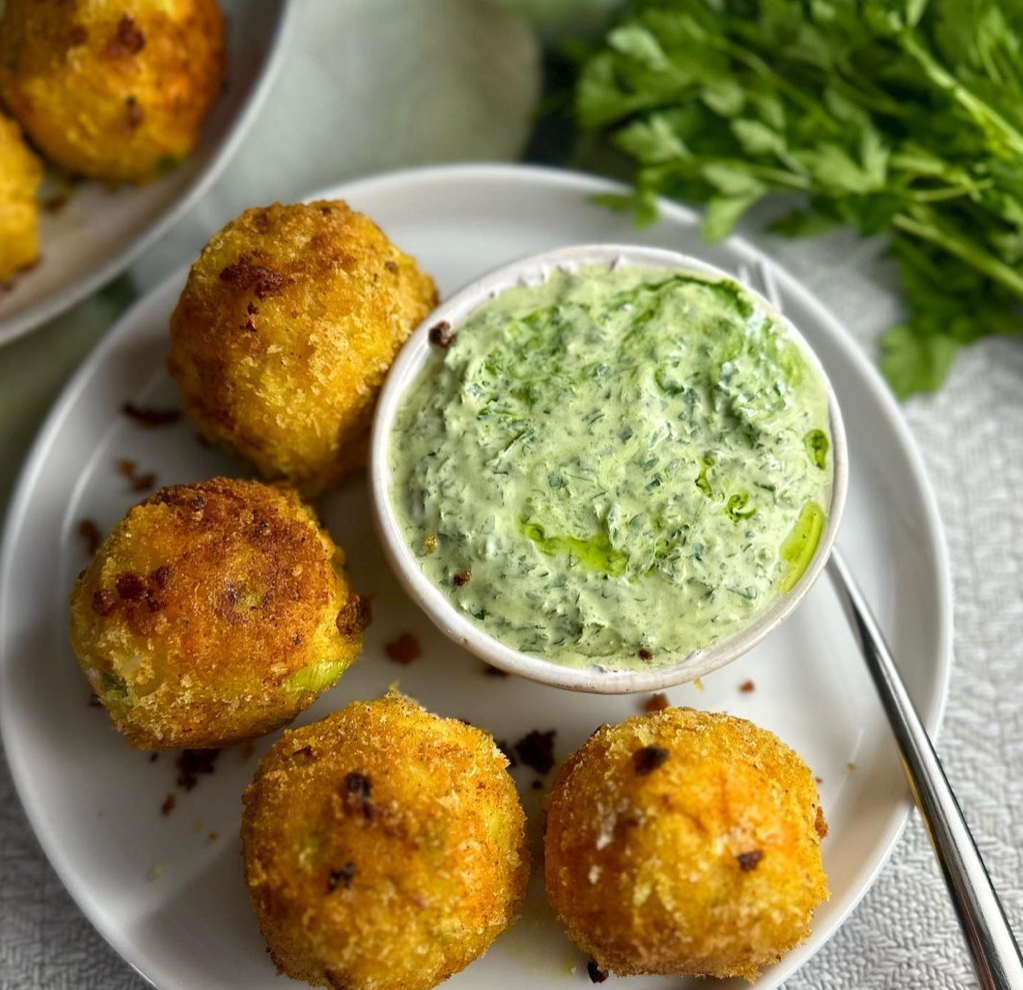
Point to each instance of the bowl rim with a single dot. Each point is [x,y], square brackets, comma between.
[531,270]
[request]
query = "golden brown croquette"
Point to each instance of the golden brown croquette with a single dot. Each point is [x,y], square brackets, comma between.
[285,331]
[685,843]
[214,612]
[20,172]
[384,847]
[113,91]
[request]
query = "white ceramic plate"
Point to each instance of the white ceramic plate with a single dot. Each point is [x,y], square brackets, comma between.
[168,897]
[101,229]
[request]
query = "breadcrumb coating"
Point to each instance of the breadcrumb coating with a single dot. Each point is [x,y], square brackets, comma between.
[289,322]
[685,843]
[114,91]
[214,612]
[384,847]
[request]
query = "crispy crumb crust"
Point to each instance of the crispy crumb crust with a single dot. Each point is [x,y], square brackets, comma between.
[113,91]
[289,322]
[384,847]
[685,843]
[20,173]
[212,614]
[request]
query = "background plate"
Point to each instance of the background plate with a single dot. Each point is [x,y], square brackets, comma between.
[102,229]
[167,891]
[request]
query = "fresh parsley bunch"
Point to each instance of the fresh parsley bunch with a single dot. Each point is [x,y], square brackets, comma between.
[897,116]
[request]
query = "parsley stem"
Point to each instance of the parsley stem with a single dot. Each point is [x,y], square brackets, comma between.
[922,222]
[690,168]
[950,192]
[988,118]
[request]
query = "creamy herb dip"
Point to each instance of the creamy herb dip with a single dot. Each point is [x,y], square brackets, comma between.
[615,467]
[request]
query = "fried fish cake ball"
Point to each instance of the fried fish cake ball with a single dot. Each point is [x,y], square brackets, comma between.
[114,91]
[685,843]
[384,847]
[285,331]
[214,612]
[20,172]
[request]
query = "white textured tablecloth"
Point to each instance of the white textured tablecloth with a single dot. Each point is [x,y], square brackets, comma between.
[464,80]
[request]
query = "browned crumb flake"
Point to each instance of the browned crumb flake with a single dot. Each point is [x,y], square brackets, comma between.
[355,616]
[820,825]
[150,418]
[656,702]
[191,763]
[133,114]
[391,266]
[130,586]
[462,578]
[404,650]
[750,860]
[246,274]
[342,875]
[648,758]
[357,790]
[103,602]
[597,975]
[127,39]
[644,654]
[168,804]
[536,750]
[441,335]
[56,202]
[89,532]
[746,687]
[138,482]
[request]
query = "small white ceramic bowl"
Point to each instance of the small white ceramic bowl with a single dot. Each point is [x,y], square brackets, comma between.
[532,271]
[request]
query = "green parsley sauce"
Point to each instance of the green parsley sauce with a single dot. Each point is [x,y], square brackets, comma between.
[616,467]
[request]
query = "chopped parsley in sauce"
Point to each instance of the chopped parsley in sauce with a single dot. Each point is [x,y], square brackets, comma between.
[630,463]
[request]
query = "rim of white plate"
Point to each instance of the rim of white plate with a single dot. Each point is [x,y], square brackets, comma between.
[532,270]
[580,184]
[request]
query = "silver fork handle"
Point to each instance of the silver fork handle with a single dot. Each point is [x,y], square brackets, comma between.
[996,954]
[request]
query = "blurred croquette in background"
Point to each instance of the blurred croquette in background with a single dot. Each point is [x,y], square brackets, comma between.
[114,91]
[20,173]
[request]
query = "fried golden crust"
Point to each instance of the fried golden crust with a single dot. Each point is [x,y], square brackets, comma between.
[20,172]
[112,91]
[289,322]
[685,843]
[214,612]
[384,847]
